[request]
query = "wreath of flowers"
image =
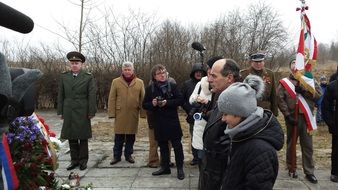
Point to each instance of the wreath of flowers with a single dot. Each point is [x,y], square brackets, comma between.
[31,153]
[33,149]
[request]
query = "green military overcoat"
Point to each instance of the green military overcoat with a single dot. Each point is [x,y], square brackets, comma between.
[76,102]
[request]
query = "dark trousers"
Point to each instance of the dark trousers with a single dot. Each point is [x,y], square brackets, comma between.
[212,171]
[193,150]
[178,150]
[334,155]
[78,151]
[128,140]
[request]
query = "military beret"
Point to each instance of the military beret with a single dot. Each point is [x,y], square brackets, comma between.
[259,56]
[76,56]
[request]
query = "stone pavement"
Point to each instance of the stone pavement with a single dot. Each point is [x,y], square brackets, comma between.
[137,176]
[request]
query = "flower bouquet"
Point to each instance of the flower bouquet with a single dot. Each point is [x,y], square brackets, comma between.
[33,158]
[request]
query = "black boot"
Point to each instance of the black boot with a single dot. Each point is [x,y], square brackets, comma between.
[162,171]
[180,174]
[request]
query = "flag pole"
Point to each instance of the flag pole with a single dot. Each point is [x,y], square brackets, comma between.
[294,132]
[294,136]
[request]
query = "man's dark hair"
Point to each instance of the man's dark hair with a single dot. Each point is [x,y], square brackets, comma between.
[212,60]
[157,67]
[231,67]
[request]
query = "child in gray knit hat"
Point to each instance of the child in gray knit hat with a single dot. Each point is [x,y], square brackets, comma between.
[255,136]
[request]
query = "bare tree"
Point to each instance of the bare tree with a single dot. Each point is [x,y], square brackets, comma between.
[110,39]
[265,30]
[171,47]
[226,36]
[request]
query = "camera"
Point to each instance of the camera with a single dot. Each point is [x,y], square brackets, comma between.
[159,100]
[198,110]
[195,107]
[198,116]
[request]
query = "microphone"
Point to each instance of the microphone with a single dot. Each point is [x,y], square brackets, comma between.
[15,20]
[197,46]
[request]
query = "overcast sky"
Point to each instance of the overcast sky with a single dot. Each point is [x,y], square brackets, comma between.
[46,14]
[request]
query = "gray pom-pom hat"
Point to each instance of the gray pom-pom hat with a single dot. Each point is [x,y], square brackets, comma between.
[240,98]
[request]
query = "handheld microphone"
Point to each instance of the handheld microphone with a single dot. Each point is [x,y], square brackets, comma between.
[15,20]
[197,46]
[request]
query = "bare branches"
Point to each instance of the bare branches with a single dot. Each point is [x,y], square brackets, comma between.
[110,39]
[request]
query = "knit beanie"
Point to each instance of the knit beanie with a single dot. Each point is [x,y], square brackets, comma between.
[240,98]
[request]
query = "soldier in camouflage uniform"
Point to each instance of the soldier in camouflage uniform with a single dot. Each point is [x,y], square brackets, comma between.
[269,99]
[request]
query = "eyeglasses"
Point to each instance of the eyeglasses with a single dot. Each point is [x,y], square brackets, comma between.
[160,73]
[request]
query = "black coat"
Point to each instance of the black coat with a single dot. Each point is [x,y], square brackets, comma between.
[330,106]
[213,135]
[216,146]
[333,77]
[188,87]
[164,119]
[253,161]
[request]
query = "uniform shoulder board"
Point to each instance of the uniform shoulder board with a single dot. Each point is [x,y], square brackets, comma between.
[64,72]
[88,73]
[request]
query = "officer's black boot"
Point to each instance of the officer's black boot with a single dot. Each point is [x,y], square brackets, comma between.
[162,171]
[180,174]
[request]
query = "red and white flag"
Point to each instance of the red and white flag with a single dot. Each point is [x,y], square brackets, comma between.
[309,117]
[306,53]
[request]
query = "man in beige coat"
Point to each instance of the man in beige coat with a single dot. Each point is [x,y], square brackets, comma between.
[125,105]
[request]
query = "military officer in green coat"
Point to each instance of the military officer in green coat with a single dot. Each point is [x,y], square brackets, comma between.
[76,106]
[269,99]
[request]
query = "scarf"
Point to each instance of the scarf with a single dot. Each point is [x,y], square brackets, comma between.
[128,79]
[244,125]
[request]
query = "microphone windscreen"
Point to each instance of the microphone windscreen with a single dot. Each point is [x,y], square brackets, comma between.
[15,20]
[197,46]
[5,82]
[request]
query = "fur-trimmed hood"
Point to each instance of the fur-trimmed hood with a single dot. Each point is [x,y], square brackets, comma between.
[205,87]
[22,80]
[5,78]
[15,85]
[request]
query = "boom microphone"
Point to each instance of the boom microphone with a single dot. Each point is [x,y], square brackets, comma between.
[15,20]
[197,46]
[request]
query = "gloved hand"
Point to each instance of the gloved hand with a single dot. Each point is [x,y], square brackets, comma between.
[300,90]
[291,120]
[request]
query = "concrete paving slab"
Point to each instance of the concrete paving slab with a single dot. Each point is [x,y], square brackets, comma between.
[109,182]
[116,172]
[126,176]
[165,181]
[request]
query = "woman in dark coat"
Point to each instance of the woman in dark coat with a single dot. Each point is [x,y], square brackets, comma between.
[255,136]
[330,115]
[163,98]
